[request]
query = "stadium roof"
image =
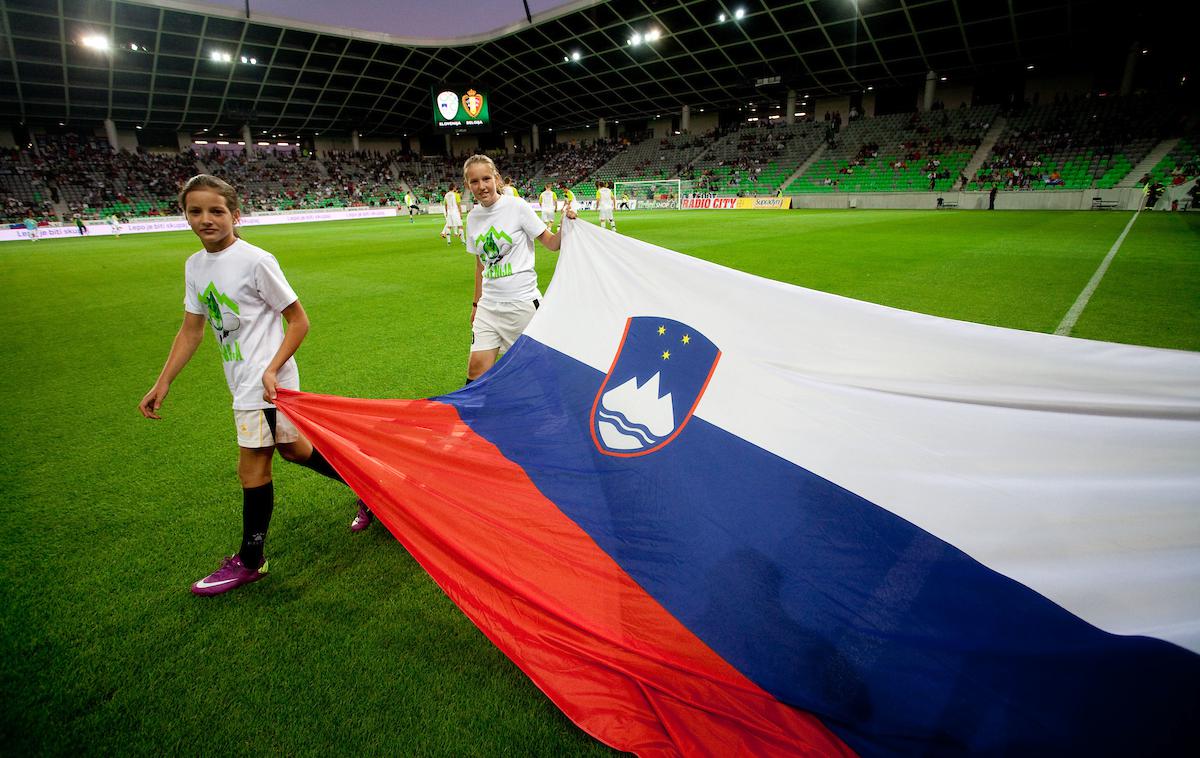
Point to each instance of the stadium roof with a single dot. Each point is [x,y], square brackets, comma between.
[301,77]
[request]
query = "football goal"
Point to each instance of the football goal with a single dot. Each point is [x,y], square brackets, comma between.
[656,193]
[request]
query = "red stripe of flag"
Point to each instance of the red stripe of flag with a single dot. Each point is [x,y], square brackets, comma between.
[606,653]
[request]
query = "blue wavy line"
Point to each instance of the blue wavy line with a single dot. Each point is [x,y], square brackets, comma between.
[627,426]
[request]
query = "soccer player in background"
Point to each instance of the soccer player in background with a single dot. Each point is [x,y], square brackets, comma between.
[510,188]
[500,233]
[606,204]
[568,197]
[411,201]
[454,224]
[114,223]
[548,202]
[242,294]
[31,227]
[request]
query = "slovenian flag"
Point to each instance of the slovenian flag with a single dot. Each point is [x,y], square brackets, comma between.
[712,514]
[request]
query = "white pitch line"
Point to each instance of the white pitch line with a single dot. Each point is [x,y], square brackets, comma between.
[1068,322]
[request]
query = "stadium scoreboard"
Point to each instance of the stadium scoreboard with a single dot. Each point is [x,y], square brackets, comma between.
[461,108]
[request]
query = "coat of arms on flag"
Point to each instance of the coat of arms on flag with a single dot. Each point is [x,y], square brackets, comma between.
[660,371]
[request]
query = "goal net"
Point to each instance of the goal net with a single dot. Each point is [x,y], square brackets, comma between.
[657,193]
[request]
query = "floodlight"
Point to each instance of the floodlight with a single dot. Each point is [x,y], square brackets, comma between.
[651,35]
[575,56]
[721,18]
[943,78]
[245,59]
[96,42]
[566,59]
[254,61]
[1029,67]
[739,14]
[637,38]
[265,144]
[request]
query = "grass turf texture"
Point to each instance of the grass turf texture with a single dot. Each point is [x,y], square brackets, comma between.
[347,647]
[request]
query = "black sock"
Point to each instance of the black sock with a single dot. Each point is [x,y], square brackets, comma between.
[317,463]
[469,380]
[257,505]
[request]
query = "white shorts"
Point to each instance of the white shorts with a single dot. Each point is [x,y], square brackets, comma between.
[454,219]
[547,216]
[606,214]
[497,325]
[254,428]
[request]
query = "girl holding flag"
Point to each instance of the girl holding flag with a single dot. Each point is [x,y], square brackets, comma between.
[500,233]
[240,291]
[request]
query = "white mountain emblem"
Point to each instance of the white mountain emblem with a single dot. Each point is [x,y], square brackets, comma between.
[632,418]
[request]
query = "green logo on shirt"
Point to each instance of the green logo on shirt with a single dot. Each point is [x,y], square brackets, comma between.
[490,252]
[225,322]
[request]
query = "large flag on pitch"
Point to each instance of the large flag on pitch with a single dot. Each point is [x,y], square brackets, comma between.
[708,513]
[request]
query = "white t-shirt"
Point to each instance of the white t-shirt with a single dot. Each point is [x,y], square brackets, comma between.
[510,190]
[242,292]
[502,236]
[453,213]
[547,201]
[604,198]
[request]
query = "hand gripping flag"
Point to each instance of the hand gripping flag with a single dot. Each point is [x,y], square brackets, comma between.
[711,514]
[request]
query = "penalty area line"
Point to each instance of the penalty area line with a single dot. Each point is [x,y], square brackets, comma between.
[1068,322]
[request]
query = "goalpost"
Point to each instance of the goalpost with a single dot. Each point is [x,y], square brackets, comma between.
[655,193]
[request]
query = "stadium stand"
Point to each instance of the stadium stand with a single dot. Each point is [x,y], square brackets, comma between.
[576,166]
[1074,144]
[1180,165]
[753,160]
[647,159]
[899,152]
[1080,144]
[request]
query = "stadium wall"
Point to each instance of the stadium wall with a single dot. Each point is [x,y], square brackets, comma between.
[702,122]
[842,104]
[345,143]
[1058,200]
[6,139]
[578,136]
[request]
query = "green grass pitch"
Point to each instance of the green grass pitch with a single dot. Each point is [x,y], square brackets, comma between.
[348,647]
